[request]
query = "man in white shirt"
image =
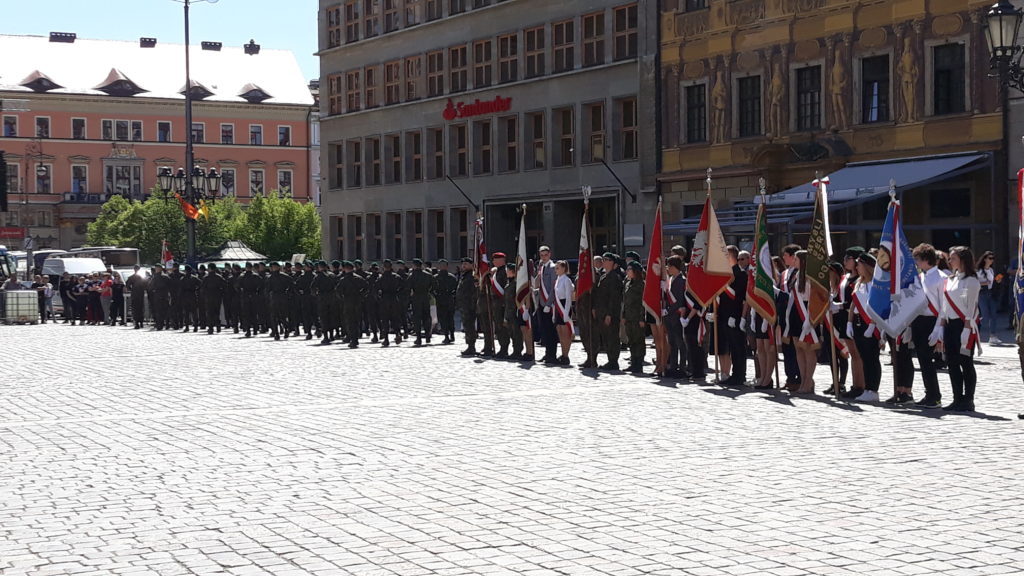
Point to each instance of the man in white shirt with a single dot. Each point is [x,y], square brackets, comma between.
[932,280]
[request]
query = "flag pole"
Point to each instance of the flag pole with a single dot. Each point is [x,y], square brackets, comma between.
[589,346]
[893,279]
[777,337]
[714,308]
[830,325]
[658,329]
[490,333]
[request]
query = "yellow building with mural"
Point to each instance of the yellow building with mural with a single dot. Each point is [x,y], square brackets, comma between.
[866,91]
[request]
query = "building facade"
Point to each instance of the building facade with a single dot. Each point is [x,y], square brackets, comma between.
[84,120]
[435,110]
[787,89]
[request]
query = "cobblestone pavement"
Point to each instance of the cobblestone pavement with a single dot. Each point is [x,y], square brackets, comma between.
[127,452]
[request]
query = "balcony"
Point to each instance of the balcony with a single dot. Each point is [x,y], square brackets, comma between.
[91,198]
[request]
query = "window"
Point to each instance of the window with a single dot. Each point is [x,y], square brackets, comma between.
[339,223]
[627,129]
[564,46]
[593,39]
[413,76]
[391,15]
[625,32]
[124,180]
[874,72]
[14,179]
[373,162]
[352,91]
[414,156]
[284,135]
[227,181]
[949,203]
[435,143]
[255,182]
[456,6]
[336,170]
[949,79]
[413,12]
[437,222]
[696,113]
[692,5]
[417,234]
[44,180]
[371,25]
[393,152]
[808,98]
[357,236]
[483,66]
[483,144]
[458,69]
[198,132]
[78,131]
[460,150]
[461,218]
[79,179]
[508,58]
[107,129]
[595,119]
[535,52]
[392,81]
[352,21]
[435,74]
[370,76]
[10,126]
[395,226]
[43,127]
[536,157]
[566,136]
[227,133]
[334,94]
[163,131]
[355,163]
[481,3]
[256,134]
[136,131]
[121,130]
[374,222]
[333,26]
[508,136]
[749,97]
[433,10]
[284,183]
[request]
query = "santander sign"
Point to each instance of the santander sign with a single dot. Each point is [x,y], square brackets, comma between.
[454,110]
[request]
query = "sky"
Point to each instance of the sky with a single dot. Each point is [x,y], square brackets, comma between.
[276,24]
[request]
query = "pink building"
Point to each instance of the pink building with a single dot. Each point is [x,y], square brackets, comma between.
[87,119]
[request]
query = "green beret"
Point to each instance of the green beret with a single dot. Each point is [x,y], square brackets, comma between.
[417,262]
[335,263]
[609,255]
[510,266]
[188,268]
[278,264]
[632,254]
[467,260]
[374,265]
[442,261]
[357,262]
[347,264]
[636,266]
[248,264]
[400,262]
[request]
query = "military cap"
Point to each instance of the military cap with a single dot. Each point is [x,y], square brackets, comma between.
[510,266]
[854,251]
[347,264]
[400,262]
[321,263]
[387,261]
[307,264]
[357,262]
[467,260]
[158,265]
[497,255]
[417,262]
[442,261]
[544,249]
[837,268]
[374,265]
[609,255]
[636,266]
[287,264]
[633,254]
[866,258]
[335,263]
[248,264]
[275,263]
[236,266]
[188,268]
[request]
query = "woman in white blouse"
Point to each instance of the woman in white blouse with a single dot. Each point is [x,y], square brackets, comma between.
[564,291]
[958,333]
[986,302]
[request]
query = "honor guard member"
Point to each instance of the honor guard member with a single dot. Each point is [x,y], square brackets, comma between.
[545,328]
[161,287]
[364,323]
[175,311]
[294,300]
[189,296]
[137,291]
[388,286]
[511,316]
[231,274]
[403,296]
[677,313]
[278,287]
[634,316]
[212,288]
[585,317]
[322,288]
[466,297]
[250,289]
[372,303]
[445,286]
[421,283]
[353,289]
[306,300]
[608,309]
[201,273]
[493,286]
[731,326]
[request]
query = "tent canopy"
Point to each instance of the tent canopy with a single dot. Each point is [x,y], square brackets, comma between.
[234,252]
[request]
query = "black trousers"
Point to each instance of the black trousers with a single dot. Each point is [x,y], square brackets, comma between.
[869,355]
[903,369]
[922,328]
[694,350]
[677,358]
[469,324]
[390,317]
[962,376]
[790,364]
[117,310]
[190,314]
[213,312]
[421,322]
[548,334]
[138,311]
[446,318]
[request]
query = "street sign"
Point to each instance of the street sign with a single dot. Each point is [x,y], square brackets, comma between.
[30,244]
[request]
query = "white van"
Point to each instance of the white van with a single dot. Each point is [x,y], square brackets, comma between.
[73,266]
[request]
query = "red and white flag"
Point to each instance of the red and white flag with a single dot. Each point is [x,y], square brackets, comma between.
[709,273]
[166,258]
[653,286]
[482,263]
[585,278]
[524,291]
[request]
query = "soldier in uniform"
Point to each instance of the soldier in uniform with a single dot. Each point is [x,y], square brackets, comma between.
[175,310]
[278,287]
[445,287]
[511,314]
[212,288]
[201,274]
[634,316]
[231,306]
[403,297]
[420,283]
[585,317]
[136,285]
[189,296]
[608,309]
[263,305]
[160,285]
[466,296]
[339,305]
[372,303]
[491,305]
[353,288]
[250,288]
[306,300]
[387,288]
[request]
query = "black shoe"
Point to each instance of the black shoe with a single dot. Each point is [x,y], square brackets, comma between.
[248,334]
[185,331]
[502,355]
[588,365]
[385,343]
[374,340]
[550,360]
[209,330]
[470,351]
[892,400]
[955,406]
[325,342]
[564,361]
[277,337]
[236,329]
[446,341]
[905,399]
[635,369]
[486,353]
[218,330]
[309,336]
[929,403]
[527,358]
[765,387]
[515,356]
[831,390]
[611,366]
[353,344]
[852,394]
[418,342]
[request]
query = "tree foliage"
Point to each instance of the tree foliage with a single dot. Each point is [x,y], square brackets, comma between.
[275,226]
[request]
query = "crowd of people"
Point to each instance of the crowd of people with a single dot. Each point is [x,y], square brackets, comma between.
[387,303]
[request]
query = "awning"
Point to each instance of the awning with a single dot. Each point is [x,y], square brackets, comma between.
[855,184]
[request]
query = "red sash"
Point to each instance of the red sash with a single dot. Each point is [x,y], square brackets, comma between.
[969,335]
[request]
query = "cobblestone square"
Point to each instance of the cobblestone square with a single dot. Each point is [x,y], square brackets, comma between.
[139,452]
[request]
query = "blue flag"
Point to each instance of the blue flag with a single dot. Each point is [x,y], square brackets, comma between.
[895,270]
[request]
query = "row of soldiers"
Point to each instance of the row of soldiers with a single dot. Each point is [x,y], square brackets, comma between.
[337,301]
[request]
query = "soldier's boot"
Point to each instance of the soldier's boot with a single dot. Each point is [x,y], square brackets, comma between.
[248,333]
[209,330]
[326,341]
[185,331]
[236,329]
[275,335]
[470,350]
[354,343]
[502,353]
[309,336]
[385,343]
[374,340]
[418,342]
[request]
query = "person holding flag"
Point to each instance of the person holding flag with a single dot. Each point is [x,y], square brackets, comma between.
[865,334]
[731,324]
[932,281]
[634,317]
[802,331]
[957,332]
[843,316]
[760,299]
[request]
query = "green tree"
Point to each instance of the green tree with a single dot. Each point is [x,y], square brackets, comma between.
[279,227]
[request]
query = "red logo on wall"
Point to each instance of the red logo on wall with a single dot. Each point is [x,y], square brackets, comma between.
[476,108]
[8,233]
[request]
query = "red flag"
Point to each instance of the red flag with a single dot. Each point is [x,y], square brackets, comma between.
[585,278]
[166,258]
[655,271]
[190,211]
[482,263]
[709,273]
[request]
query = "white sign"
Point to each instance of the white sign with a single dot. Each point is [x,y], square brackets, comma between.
[29,243]
[298,258]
